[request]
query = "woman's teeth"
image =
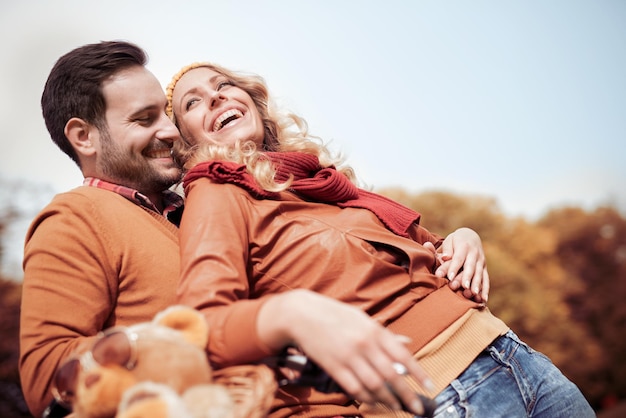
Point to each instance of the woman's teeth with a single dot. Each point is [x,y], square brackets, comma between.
[225,118]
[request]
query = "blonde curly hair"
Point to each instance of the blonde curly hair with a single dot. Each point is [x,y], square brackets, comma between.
[283,131]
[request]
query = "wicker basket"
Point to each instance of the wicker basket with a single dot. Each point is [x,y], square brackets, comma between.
[252,387]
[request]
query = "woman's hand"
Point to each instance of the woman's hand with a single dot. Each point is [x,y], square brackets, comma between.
[362,356]
[463,261]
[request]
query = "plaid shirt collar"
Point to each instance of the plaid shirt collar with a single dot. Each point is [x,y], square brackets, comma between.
[172,201]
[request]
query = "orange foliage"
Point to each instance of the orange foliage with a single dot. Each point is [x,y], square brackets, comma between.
[558,283]
[11,400]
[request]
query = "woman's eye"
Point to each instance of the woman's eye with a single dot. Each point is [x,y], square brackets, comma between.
[190,103]
[223,84]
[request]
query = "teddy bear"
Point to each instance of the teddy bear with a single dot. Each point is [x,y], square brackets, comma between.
[160,369]
[157,400]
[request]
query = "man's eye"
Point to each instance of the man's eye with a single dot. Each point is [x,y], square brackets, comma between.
[144,120]
[190,103]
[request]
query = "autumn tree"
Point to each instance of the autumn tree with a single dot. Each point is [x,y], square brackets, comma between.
[19,202]
[534,290]
[11,400]
[592,247]
[558,283]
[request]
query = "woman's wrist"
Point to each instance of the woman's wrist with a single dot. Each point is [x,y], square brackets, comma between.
[277,317]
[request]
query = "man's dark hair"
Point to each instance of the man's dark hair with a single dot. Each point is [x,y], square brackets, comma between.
[74,86]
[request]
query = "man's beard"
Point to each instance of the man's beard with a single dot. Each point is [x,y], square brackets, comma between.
[133,170]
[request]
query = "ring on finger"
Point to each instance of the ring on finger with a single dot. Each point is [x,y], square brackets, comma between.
[400,369]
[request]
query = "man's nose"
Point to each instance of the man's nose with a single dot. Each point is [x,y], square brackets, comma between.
[168,131]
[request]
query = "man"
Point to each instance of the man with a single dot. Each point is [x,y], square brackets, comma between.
[103,254]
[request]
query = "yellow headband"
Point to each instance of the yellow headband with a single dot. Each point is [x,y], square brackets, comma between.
[169,91]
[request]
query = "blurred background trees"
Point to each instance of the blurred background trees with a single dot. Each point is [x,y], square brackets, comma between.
[559,282]
[11,400]
[19,202]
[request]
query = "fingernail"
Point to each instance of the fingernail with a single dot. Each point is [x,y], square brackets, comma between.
[466,284]
[417,408]
[429,385]
[429,406]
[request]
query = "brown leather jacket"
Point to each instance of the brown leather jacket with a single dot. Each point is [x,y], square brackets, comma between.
[237,250]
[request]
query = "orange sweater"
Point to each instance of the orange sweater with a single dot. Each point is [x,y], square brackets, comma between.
[92,260]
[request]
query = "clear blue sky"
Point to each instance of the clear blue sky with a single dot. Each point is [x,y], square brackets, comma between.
[523,101]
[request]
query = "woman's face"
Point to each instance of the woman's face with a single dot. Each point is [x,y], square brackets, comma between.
[209,108]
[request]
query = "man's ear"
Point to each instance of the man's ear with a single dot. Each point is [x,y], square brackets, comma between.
[80,133]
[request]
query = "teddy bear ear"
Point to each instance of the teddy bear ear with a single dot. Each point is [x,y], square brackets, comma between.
[190,322]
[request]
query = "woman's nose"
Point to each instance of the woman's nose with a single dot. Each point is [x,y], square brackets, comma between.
[215,99]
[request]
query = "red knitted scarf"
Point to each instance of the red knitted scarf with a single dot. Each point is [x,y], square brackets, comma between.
[311,182]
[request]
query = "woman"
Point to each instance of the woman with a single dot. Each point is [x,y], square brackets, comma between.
[279,248]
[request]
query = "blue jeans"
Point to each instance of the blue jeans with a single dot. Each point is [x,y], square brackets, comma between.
[510,379]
